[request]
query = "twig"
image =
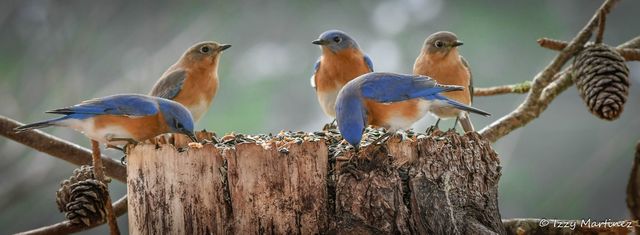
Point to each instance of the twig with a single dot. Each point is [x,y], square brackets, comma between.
[98,170]
[602,18]
[59,148]
[520,88]
[630,54]
[66,227]
[558,45]
[553,226]
[633,187]
[553,44]
[532,106]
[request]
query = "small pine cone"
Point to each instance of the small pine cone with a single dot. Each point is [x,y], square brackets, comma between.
[86,202]
[602,78]
[63,194]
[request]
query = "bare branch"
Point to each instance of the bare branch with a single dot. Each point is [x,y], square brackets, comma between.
[542,79]
[558,45]
[553,44]
[630,54]
[519,88]
[553,226]
[602,18]
[98,171]
[66,227]
[532,106]
[59,148]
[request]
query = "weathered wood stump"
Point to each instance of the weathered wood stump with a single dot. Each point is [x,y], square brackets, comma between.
[312,183]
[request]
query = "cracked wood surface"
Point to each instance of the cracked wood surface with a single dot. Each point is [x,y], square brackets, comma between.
[444,184]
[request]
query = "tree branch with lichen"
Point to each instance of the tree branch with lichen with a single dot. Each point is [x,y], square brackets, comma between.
[519,88]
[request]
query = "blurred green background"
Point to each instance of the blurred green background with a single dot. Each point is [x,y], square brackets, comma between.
[565,164]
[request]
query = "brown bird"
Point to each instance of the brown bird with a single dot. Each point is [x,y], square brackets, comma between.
[440,60]
[193,80]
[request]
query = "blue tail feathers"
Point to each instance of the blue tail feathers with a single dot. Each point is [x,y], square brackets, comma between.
[38,125]
[461,106]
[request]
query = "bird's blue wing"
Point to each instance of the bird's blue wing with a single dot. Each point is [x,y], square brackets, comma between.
[316,66]
[390,87]
[369,63]
[169,85]
[124,105]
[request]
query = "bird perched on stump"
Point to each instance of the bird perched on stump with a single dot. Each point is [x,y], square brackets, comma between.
[341,61]
[193,79]
[362,102]
[122,119]
[439,59]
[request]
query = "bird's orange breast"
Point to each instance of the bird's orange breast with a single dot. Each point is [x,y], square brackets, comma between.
[397,115]
[449,71]
[141,128]
[336,69]
[199,86]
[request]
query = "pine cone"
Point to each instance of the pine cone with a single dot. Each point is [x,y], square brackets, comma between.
[82,198]
[87,201]
[64,193]
[602,78]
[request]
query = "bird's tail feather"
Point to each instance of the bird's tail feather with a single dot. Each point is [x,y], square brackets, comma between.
[38,125]
[461,106]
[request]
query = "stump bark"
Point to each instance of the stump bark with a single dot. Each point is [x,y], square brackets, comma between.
[302,183]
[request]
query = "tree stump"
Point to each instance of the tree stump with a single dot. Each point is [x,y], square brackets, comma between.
[313,183]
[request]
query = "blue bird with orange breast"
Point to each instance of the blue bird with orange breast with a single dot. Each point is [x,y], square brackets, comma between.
[193,80]
[440,60]
[340,62]
[122,119]
[358,103]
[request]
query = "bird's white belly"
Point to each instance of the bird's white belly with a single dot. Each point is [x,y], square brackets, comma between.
[441,109]
[400,122]
[328,102]
[198,110]
[87,127]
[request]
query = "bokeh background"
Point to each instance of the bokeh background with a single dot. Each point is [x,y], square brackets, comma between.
[565,164]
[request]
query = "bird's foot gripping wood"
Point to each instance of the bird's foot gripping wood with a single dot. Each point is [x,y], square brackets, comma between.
[330,126]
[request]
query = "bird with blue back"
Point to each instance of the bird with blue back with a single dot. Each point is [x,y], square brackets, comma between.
[341,61]
[358,103]
[122,119]
[439,59]
[193,79]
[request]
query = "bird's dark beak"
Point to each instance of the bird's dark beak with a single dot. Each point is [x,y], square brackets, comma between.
[319,42]
[224,47]
[192,137]
[457,43]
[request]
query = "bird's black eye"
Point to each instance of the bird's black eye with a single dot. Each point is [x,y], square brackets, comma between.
[205,49]
[439,44]
[337,39]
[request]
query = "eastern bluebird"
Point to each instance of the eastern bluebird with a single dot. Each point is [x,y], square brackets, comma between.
[340,62]
[440,60]
[122,119]
[193,79]
[362,102]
